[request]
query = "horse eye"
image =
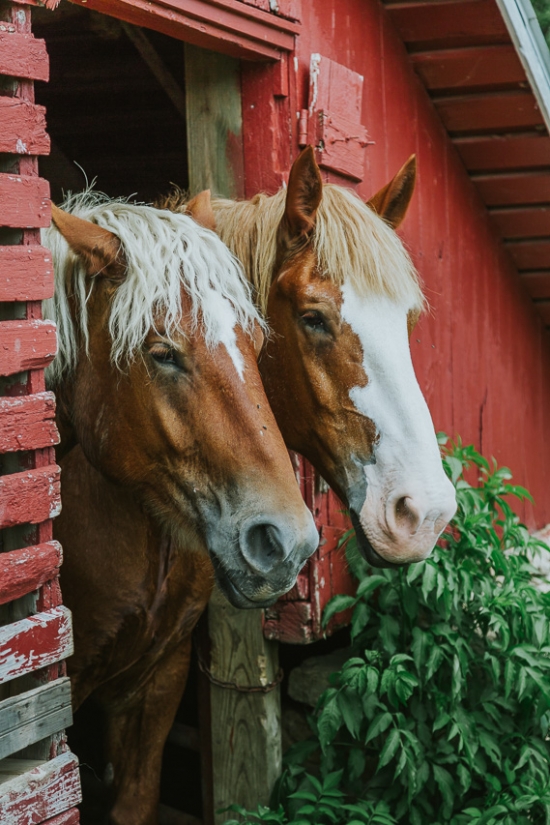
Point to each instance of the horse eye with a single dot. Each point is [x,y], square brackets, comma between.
[164,355]
[314,320]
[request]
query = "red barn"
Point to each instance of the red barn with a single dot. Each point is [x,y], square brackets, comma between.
[222,93]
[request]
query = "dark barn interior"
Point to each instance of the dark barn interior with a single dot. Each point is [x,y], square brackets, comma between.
[115,105]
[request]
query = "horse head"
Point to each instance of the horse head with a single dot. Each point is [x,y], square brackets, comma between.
[341,297]
[157,380]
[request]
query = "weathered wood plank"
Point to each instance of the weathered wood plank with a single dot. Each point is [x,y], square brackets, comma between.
[30,497]
[537,283]
[530,254]
[214,119]
[24,201]
[27,422]
[518,222]
[22,55]
[22,127]
[31,716]
[469,68]
[27,569]
[491,111]
[449,24]
[26,345]
[26,273]
[514,188]
[40,793]
[71,817]
[35,642]
[500,152]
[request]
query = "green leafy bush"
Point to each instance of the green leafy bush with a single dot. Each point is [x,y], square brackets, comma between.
[441,714]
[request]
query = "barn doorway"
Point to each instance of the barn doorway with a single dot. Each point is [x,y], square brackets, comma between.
[115,105]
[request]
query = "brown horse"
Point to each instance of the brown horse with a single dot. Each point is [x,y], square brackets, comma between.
[177,459]
[341,297]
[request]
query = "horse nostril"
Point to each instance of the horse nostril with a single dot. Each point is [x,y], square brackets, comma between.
[407,515]
[263,548]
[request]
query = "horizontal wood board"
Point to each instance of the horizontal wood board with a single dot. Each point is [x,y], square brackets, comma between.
[25,570]
[39,793]
[26,273]
[21,55]
[28,422]
[31,716]
[35,642]
[30,497]
[26,345]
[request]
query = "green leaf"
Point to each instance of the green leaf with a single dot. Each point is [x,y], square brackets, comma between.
[378,725]
[390,748]
[336,605]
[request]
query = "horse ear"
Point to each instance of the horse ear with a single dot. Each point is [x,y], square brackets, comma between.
[200,209]
[100,249]
[303,196]
[392,202]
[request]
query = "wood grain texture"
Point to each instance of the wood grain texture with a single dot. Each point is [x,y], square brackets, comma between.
[537,283]
[522,222]
[22,127]
[21,55]
[31,716]
[30,644]
[24,201]
[214,118]
[226,26]
[26,273]
[246,727]
[469,68]
[449,24]
[71,817]
[501,152]
[41,792]
[28,422]
[30,497]
[26,345]
[495,111]
[530,254]
[25,570]
[514,188]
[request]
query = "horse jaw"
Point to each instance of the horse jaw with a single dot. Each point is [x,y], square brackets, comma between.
[407,498]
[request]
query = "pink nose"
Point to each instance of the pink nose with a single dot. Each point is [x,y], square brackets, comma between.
[408,515]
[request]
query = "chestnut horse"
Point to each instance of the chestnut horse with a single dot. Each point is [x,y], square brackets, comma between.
[341,297]
[159,392]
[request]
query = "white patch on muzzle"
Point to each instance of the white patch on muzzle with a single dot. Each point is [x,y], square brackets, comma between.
[409,499]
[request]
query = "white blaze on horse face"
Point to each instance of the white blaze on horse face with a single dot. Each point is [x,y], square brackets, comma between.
[222,331]
[409,499]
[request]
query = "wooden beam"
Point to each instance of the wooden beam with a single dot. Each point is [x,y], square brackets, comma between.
[31,793]
[22,127]
[31,716]
[522,222]
[226,26]
[246,727]
[514,188]
[34,643]
[214,123]
[531,254]
[491,111]
[469,68]
[157,66]
[449,24]
[537,283]
[504,152]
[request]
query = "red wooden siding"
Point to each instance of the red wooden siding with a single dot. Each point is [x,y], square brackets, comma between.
[46,789]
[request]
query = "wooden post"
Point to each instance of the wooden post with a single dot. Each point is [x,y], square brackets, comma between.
[245,726]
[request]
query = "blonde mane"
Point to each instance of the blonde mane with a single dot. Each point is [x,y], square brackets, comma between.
[351,242]
[165,253]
